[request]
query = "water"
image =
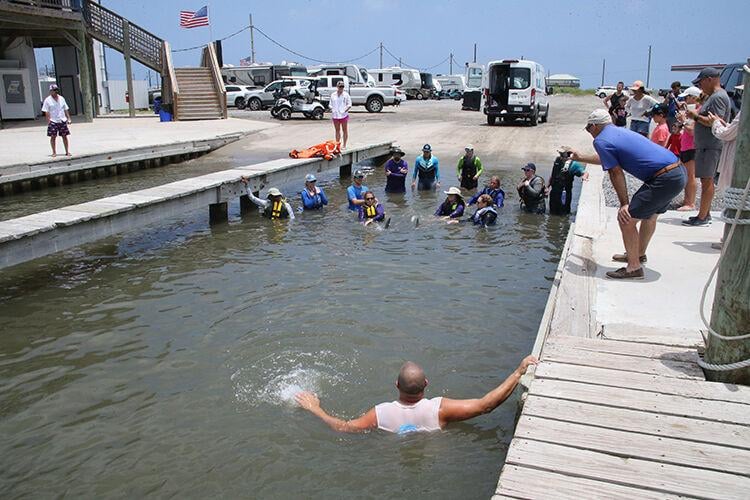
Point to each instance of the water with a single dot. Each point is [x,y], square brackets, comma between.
[165,362]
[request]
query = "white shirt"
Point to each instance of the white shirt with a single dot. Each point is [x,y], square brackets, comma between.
[423,416]
[56,108]
[339,104]
[638,108]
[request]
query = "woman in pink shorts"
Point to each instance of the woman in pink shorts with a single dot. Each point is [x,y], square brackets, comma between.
[340,105]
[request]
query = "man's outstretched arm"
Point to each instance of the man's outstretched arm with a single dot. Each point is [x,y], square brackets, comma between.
[456,410]
[311,403]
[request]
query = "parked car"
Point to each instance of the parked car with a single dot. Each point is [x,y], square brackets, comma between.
[236,96]
[515,89]
[266,97]
[731,76]
[372,98]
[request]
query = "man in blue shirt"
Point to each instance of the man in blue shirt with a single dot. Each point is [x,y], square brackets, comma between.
[618,151]
[426,167]
[356,191]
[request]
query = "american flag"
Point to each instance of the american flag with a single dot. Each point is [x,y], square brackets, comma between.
[189,19]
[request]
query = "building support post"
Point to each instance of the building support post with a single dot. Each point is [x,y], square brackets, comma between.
[128,66]
[218,213]
[85,76]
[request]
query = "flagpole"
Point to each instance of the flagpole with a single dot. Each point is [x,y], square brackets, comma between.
[210,30]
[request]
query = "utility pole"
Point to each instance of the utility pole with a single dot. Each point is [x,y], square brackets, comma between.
[381,55]
[399,62]
[604,65]
[648,73]
[730,315]
[475,52]
[252,42]
[450,62]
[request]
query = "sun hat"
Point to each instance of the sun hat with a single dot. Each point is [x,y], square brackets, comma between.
[397,151]
[693,91]
[274,192]
[453,190]
[529,166]
[599,116]
[358,174]
[706,73]
[54,87]
[426,147]
[469,147]
[310,178]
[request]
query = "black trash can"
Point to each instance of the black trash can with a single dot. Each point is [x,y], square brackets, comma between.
[472,100]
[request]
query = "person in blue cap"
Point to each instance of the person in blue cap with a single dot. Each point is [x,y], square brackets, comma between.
[532,190]
[426,170]
[313,197]
[356,192]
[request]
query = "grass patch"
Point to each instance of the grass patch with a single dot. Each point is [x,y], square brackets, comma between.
[573,91]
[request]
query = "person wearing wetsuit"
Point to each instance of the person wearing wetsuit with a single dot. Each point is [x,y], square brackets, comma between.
[532,191]
[371,211]
[396,170]
[469,168]
[313,197]
[274,206]
[426,168]
[493,189]
[453,206]
[560,186]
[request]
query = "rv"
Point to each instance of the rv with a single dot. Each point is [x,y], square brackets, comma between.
[451,82]
[260,75]
[513,89]
[357,75]
[407,80]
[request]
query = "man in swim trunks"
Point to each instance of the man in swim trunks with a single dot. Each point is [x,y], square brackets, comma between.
[412,412]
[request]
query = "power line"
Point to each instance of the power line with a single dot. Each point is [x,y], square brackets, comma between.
[312,58]
[221,40]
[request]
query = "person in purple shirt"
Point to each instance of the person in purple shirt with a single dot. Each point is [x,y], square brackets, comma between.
[453,206]
[618,151]
[396,170]
[371,211]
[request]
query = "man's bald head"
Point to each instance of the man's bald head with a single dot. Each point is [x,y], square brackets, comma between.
[411,379]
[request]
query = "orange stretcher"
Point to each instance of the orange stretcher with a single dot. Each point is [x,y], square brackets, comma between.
[327,150]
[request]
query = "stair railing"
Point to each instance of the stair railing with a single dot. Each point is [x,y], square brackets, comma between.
[209,60]
[170,90]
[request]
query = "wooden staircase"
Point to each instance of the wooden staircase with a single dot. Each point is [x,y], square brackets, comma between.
[198,99]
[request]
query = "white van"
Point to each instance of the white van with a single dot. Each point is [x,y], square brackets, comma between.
[515,89]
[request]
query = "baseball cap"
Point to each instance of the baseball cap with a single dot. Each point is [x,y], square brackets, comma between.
[426,147]
[53,86]
[638,84]
[598,117]
[358,174]
[310,178]
[693,91]
[706,73]
[529,166]
[470,147]
[657,109]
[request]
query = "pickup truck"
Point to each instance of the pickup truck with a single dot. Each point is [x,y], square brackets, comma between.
[372,98]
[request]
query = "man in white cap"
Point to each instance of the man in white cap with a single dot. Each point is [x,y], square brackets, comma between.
[58,117]
[708,147]
[275,206]
[469,168]
[618,151]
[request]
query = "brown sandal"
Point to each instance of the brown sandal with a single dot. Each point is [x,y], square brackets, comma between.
[623,257]
[624,274]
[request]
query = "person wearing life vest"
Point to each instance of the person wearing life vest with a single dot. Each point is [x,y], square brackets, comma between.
[493,189]
[274,206]
[313,197]
[412,412]
[426,170]
[469,168]
[560,184]
[453,206]
[371,211]
[532,191]
[486,215]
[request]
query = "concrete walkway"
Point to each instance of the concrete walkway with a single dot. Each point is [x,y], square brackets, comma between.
[28,144]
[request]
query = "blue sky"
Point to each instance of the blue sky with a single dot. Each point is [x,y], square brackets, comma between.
[571,36]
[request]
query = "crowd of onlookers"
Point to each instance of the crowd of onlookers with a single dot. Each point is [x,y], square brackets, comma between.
[699,124]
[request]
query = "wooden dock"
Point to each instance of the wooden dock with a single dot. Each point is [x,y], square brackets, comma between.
[33,236]
[618,407]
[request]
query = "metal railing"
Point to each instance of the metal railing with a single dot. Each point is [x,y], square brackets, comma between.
[107,27]
[74,5]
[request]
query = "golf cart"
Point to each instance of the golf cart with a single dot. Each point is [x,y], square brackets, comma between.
[299,99]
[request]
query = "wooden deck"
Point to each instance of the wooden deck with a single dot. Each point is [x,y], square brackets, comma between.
[617,419]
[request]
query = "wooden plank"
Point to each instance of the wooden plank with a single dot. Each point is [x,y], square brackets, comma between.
[667,478]
[632,445]
[664,367]
[643,422]
[720,411]
[525,482]
[663,336]
[645,382]
[653,351]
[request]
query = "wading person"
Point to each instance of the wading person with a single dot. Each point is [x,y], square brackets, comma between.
[560,187]
[453,206]
[532,190]
[708,147]
[58,118]
[396,170]
[412,412]
[469,168]
[637,106]
[616,105]
[619,151]
[313,197]
[485,215]
[340,104]
[274,206]
[426,170]
[356,192]
[371,210]
[494,190]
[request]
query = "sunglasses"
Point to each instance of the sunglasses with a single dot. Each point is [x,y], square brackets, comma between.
[588,127]
[369,199]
